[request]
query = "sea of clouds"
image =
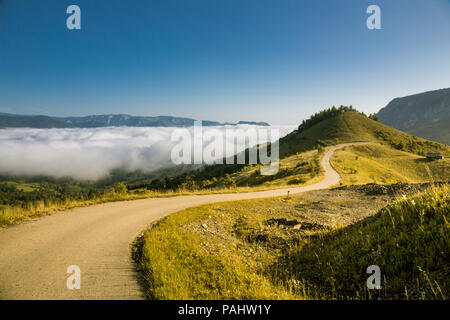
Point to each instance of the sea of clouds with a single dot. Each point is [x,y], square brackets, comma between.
[90,154]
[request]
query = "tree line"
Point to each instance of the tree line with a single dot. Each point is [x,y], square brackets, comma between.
[330,113]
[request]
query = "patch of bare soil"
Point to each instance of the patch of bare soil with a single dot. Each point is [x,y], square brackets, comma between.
[261,230]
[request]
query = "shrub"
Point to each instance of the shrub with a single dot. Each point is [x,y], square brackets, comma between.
[297,180]
[120,188]
[94,194]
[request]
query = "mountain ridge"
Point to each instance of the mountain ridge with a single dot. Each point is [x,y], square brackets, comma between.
[105,120]
[425,114]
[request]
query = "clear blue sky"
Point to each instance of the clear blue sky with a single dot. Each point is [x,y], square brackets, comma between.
[227,60]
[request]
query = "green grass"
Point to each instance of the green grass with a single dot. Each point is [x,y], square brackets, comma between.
[252,249]
[382,164]
[354,127]
[180,263]
[409,240]
[298,169]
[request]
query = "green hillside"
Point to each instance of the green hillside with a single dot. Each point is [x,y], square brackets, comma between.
[347,125]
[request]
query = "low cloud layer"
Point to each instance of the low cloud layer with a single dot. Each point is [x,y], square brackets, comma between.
[90,154]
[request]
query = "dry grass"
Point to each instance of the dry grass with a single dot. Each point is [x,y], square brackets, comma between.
[252,249]
[377,163]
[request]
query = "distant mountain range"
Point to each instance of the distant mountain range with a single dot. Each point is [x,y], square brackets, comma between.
[425,114]
[107,120]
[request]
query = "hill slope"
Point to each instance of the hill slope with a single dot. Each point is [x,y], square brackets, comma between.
[351,126]
[425,114]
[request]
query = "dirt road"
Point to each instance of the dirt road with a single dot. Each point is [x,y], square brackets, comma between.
[34,256]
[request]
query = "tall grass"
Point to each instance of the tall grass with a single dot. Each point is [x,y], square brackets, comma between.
[179,263]
[409,240]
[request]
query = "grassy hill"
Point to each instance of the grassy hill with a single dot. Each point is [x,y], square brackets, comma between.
[351,126]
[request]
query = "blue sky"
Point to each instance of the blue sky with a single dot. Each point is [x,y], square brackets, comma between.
[227,60]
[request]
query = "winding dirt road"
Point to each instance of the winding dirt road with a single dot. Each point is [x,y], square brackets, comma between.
[34,256]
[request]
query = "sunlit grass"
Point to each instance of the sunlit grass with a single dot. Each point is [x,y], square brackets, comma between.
[182,263]
[375,163]
[409,240]
[227,251]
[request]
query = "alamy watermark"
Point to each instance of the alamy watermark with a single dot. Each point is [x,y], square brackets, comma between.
[73,22]
[213,146]
[374,20]
[74,280]
[374,280]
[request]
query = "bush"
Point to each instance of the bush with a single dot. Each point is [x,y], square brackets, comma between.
[94,194]
[120,188]
[320,148]
[297,180]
